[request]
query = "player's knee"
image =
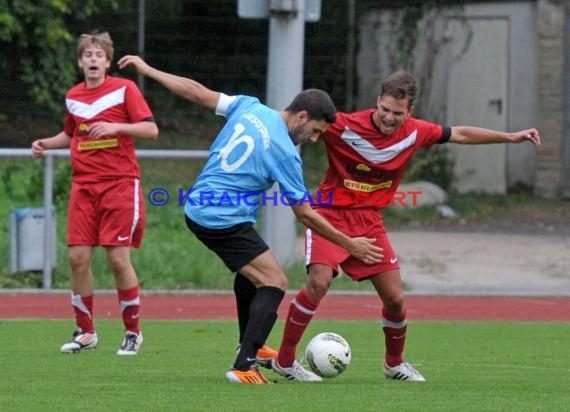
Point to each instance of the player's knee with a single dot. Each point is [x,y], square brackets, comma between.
[119,267]
[394,305]
[277,279]
[281,282]
[78,258]
[119,263]
[317,288]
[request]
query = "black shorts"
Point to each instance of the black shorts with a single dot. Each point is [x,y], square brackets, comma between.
[236,246]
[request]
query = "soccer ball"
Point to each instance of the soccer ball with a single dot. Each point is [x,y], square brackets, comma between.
[328,354]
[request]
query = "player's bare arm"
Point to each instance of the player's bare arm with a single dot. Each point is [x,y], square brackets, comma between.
[360,247]
[59,141]
[182,86]
[478,135]
[142,130]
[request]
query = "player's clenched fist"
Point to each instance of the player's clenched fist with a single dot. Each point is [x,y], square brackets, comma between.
[38,147]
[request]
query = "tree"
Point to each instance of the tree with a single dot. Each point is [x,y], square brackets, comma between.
[39,32]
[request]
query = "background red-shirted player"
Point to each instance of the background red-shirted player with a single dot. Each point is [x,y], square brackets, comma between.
[368,152]
[106,205]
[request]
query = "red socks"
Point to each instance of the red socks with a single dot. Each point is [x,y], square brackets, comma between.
[300,313]
[129,303]
[83,308]
[394,326]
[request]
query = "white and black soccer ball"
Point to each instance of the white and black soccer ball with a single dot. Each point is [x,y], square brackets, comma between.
[328,354]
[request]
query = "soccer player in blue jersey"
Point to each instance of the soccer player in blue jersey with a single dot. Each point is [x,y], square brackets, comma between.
[254,150]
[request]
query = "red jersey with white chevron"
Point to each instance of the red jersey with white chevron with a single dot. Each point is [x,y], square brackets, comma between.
[116,100]
[365,165]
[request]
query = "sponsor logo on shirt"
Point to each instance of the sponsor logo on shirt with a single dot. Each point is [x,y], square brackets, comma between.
[363,167]
[98,144]
[83,129]
[366,187]
[366,172]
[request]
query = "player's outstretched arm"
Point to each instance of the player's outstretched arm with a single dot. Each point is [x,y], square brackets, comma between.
[182,86]
[478,135]
[360,247]
[59,141]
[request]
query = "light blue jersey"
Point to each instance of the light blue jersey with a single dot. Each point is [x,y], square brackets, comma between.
[251,153]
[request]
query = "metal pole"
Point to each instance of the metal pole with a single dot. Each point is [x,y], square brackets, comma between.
[48,220]
[141,39]
[350,48]
[565,175]
[284,82]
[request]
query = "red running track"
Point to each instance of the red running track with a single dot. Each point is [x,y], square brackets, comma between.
[334,306]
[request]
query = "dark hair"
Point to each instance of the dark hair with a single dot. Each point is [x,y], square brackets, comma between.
[317,103]
[400,85]
[100,38]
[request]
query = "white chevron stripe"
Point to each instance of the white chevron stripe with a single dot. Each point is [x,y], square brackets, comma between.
[123,304]
[372,154]
[78,303]
[88,111]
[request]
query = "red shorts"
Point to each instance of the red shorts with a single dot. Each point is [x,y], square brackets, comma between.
[106,213]
[352,222]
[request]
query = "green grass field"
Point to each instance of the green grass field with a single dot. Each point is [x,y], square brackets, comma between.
[469,367]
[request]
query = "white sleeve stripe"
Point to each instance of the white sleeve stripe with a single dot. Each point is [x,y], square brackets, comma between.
[223,104]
